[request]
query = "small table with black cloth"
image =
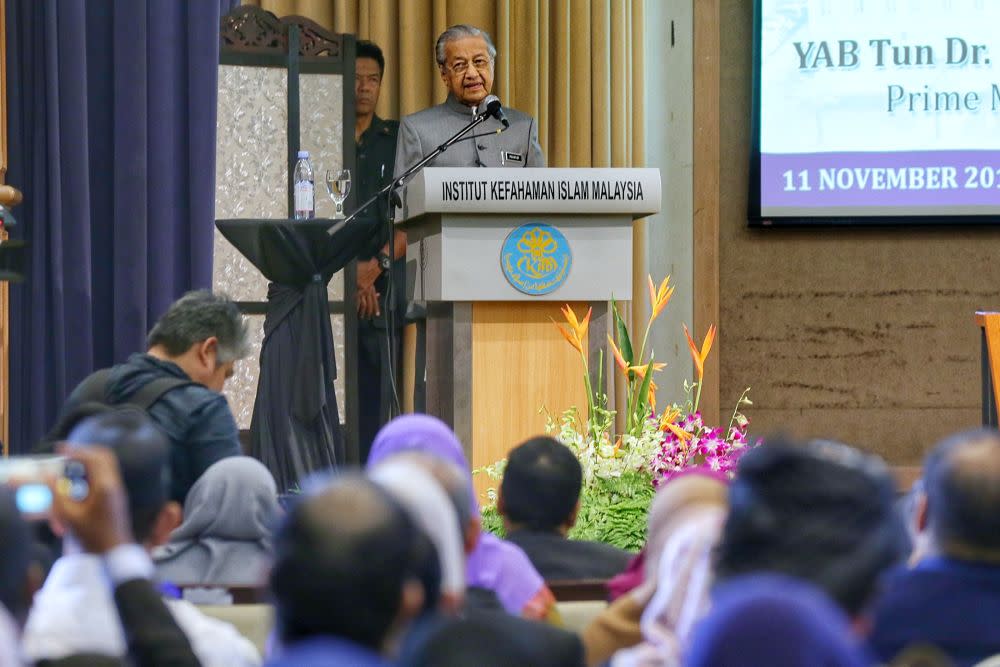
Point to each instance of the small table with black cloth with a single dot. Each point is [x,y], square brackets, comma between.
[295,428]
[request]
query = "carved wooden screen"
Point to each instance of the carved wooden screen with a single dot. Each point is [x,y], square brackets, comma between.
[284,84]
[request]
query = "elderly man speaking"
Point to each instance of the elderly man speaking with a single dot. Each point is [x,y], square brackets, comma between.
[466,59]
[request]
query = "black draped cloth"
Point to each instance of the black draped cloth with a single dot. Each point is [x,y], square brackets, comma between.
[295,428]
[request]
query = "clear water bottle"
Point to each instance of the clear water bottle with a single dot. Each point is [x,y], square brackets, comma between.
[305,188]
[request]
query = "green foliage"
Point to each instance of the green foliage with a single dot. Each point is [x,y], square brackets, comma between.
[641,403]
[624,341]
[492,521]
[613,510]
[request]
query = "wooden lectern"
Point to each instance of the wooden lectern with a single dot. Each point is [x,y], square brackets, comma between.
[989,324]
[493,254]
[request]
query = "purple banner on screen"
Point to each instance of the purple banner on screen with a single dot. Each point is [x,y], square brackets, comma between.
[909,179]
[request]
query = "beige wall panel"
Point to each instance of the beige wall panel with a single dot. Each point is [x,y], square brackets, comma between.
[321,118]
[251,172]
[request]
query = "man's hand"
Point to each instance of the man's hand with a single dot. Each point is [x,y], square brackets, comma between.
[368,303]
[368,273]
[100,521]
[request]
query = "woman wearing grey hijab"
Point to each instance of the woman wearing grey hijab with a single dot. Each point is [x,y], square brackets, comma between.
[225,538]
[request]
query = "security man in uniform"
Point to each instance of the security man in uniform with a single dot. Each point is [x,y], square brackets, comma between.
[378,352]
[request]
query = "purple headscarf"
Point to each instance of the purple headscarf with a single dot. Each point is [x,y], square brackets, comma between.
[751,611]
[496,565]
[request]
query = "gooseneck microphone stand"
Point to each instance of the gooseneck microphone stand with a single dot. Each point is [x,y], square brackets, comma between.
[401,180]
[492,109]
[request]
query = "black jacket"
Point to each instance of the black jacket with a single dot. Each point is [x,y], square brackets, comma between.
[559,559]
[196,419]
[485,634]
[376,160]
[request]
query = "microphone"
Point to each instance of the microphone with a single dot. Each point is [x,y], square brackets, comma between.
[491,106]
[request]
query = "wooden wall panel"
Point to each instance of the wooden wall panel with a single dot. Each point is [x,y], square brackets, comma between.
[520,363]
[867,336]
[707,197]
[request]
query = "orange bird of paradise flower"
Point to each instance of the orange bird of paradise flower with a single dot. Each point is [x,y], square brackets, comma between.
[619,359]
[699,356]
[578,327]
[667,424]
[641,370]
[659,297]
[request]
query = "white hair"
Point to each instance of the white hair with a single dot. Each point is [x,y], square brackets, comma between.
[461,31]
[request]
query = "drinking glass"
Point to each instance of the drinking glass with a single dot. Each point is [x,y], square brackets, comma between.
[338,184]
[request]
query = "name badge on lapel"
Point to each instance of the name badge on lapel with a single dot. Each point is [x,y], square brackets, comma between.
[511,156]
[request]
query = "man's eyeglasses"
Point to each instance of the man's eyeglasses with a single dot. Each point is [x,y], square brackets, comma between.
[461,66]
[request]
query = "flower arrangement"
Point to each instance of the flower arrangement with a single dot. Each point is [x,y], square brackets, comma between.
[621,472]
[687,441]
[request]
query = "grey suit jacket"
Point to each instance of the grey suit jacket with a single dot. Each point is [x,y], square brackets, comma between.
[422,132]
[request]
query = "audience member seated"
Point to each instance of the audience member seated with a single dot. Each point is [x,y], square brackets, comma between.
[681,596]
[822,512]
[191,352]
[912,506]
[225,538]
[74,611]
[102,527]
[774,620]
[345,579]
[431,510]
[629,579]
[495,564]
[17,582]
[10,656]
[101,524]
[475,641]
[533,642]
[950,598]
[685,513]
[539,499]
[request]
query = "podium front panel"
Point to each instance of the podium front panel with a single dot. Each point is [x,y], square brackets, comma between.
[461,257]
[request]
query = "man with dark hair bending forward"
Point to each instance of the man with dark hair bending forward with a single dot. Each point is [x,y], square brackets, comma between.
[190,354]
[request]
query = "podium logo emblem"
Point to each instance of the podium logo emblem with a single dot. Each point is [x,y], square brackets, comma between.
[536,258]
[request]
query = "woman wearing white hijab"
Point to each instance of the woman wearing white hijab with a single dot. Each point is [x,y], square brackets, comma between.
[682,590]
[685,520]
[225,538]
[432,510]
